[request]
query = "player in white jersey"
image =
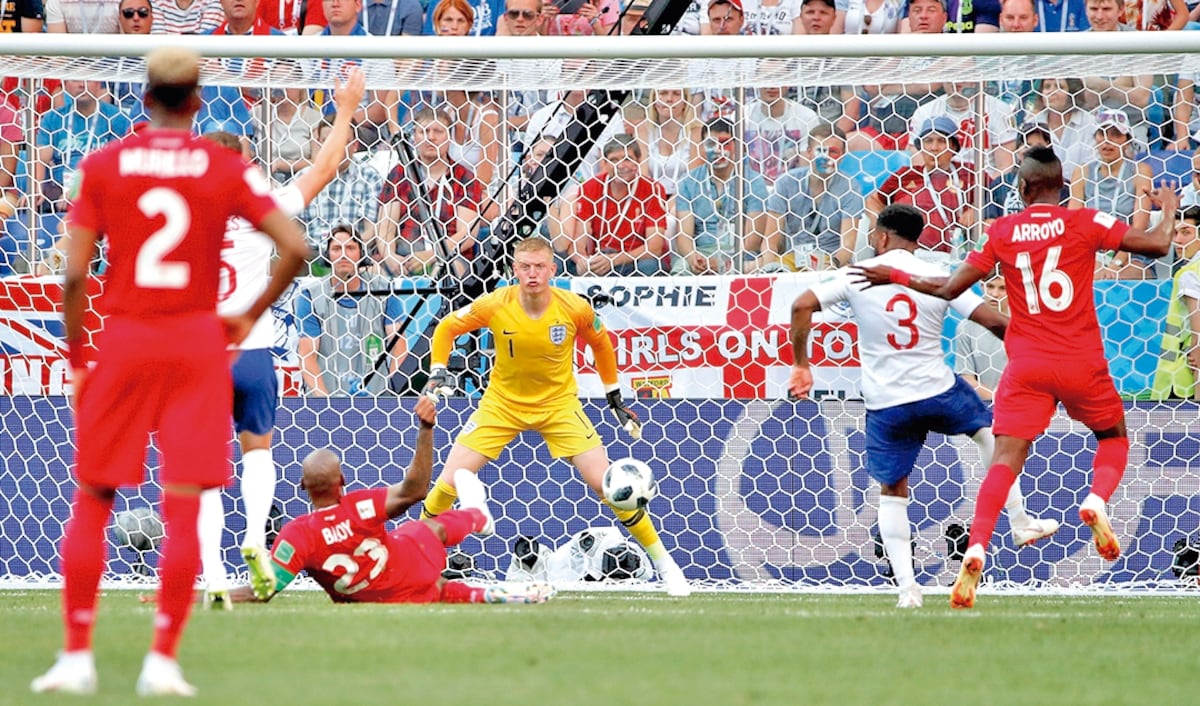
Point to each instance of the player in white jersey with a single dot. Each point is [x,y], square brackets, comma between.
[908,388]
[245,269]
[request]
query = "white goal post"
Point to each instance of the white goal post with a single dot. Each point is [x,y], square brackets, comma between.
[755,491]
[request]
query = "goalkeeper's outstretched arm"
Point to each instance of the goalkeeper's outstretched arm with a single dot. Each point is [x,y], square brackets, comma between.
[598,339]
[448,329]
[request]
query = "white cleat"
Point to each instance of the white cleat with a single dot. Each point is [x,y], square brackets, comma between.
[161,676]
[217,600]
[677,584]
[910,597]
[472,494]
[1037,529]
[528,594]
[1094,515]
[72,673]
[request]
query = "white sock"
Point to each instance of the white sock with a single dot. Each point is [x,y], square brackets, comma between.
[258,491]
[897,538]
[211,527]
[659,554]
[1014,505]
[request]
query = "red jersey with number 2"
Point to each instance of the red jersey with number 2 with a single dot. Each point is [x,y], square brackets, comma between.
[161,198]
[1047,255]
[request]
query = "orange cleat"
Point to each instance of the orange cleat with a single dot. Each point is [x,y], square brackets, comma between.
[963,593]
[1094,516]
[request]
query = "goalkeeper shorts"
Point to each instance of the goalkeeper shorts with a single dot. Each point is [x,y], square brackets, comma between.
[567,430]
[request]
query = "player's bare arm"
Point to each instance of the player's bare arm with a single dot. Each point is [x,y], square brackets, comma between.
[986,316]
[950,287]
[81,247]
[800,382]
[325,164]
[415,485]
[292,250]
[1156,241]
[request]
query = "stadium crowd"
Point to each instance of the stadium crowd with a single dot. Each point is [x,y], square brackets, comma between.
[683,180]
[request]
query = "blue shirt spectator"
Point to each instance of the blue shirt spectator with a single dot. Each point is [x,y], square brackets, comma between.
[392,17]
[66,134]
[1062,16]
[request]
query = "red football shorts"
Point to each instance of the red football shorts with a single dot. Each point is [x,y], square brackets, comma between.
[169,376]
[422,557]
[1029,390]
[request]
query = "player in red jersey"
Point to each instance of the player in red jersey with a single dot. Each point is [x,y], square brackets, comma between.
[160,198]
[345,546]
[1047,256]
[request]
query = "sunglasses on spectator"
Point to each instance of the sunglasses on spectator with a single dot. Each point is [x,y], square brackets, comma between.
[527,15]
[142,12]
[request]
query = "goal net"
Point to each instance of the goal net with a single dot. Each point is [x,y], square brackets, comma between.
[692,188]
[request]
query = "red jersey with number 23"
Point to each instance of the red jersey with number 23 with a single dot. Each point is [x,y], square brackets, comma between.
[1047,255]
[161,197]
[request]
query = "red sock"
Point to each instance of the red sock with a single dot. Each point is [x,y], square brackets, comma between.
[992,495]
[459,592]
[176,570]
[459,523]
[83,554]
[1112,455]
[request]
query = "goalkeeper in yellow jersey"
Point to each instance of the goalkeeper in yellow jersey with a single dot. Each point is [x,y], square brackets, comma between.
[532,386]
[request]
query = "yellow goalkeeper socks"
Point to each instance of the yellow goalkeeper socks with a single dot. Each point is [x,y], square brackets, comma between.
[439,500]
[641,528]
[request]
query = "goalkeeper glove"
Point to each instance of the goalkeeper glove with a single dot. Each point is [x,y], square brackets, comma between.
[439,386]
[626,419]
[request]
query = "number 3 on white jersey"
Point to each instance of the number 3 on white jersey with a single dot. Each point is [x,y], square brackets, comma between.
[150,270]
[1038,292]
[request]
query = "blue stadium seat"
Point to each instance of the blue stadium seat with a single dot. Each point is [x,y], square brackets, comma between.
[1168,165]
[872,167]
[15,236]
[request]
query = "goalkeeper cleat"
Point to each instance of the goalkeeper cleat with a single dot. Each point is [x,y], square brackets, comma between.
[72,673]
[537,592]
[1093,514]
[910,597]
[1037,529]
[472,494]
[676,583]
[161,676]
[217,600]
[963,593]
[262,574]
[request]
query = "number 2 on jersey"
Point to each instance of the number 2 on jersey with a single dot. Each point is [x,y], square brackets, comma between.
[906,312]
[1038,291]
[375,551]
[150,270]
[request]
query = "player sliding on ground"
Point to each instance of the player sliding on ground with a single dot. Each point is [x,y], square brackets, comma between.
[532,387]
[345,547]
[908,388]
[1047,255]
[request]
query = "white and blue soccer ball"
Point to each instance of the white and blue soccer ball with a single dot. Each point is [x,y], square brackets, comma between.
[629,484]
[139,528]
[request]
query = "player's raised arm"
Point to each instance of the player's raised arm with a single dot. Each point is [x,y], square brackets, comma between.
[962,279]
[415,485]
[800,382]
[1156,241]
[331,155]
[594,333]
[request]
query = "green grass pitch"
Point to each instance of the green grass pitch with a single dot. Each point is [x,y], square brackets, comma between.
[641,649]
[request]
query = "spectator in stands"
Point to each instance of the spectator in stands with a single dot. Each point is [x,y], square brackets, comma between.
[523,18]
[445,189]
[1130,93]
[448,15]
[597,17]
[290,127]
[979,356]
[813,210]
[725,18]
[558,211]
[670,136]
[619,221]
[959,104]
[391,18]
[134,17]
[84,123]
[352,198]
[1179,359]
[475,133]
[1185,119]
[934,184]
[1116,184]
[285,16]
[721,207]
[926,17]
[27,16]
[1072,127]
[137,16]
[868,16]
[552,119]
[225,108]
[772,17]
[817,16]
[342,337]
[187,16]
[1018,16]
[777,132]
[1153,15]
[1004,198]
[82,16]
[1189,195]
[1062,15]
[379,106]
[962,16]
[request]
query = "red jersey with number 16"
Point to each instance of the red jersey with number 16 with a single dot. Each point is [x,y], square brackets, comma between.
[161,198]
[1047,255]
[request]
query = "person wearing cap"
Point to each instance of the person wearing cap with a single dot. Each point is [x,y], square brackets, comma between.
[868,16]
[1116,184]
[961,16]
[1072,127]
[817,16]
[724,17]
[1000,135]
[934,184]
[763,17]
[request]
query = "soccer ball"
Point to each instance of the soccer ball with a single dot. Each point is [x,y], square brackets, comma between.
[629,484]
[138,528]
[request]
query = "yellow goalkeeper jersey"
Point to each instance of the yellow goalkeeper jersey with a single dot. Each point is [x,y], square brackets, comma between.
[535,358]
